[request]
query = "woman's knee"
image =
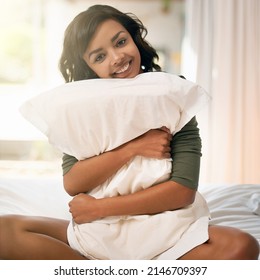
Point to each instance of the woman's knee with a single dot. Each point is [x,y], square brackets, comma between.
[8,223]
[234,244]
[12,223]
[246,247]
[9,228]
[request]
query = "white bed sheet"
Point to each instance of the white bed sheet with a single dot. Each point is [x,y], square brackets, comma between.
[230,205]
[235,205]
[34,196]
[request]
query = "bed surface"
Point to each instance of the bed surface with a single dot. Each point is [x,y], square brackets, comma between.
[235,205]
[34,196]
[230,205]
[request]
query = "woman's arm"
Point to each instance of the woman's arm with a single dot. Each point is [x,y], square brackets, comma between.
[87,174]
[162,197]
[176,193]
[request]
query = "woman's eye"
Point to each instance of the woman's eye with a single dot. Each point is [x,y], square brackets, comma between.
[121,42]
[99,58]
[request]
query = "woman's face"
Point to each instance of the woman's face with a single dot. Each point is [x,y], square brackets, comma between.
[112,52]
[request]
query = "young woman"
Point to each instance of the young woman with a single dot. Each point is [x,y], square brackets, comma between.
[103,42]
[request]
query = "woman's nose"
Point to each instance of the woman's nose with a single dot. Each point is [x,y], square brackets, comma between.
[116,57]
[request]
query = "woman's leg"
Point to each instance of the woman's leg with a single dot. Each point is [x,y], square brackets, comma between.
[32,238]
[225,243]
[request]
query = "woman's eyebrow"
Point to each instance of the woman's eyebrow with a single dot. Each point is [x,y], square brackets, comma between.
[93,52]
[112,40]
[117,35]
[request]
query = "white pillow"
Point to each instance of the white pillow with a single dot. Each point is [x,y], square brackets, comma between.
[88,117]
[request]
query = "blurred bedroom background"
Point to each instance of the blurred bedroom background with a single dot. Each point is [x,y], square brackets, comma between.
[213,43]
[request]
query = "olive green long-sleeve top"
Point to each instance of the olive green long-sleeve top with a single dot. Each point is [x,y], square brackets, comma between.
[185,153]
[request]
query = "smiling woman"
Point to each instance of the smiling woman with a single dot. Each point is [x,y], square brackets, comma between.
[188,235]
[116,51]
[118,57]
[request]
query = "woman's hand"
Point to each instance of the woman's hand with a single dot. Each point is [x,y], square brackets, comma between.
[166,196]
[87,174]
[155,143]
[83,208]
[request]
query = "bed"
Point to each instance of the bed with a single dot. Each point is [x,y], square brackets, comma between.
[230,205]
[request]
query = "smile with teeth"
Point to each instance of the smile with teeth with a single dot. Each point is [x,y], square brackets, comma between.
[123,69]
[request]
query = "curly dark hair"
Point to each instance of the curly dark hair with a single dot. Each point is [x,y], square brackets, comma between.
[80,31]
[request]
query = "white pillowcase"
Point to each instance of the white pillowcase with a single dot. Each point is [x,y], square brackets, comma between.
[89,117]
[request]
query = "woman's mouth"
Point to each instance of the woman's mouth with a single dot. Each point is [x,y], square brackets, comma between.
[123,69]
